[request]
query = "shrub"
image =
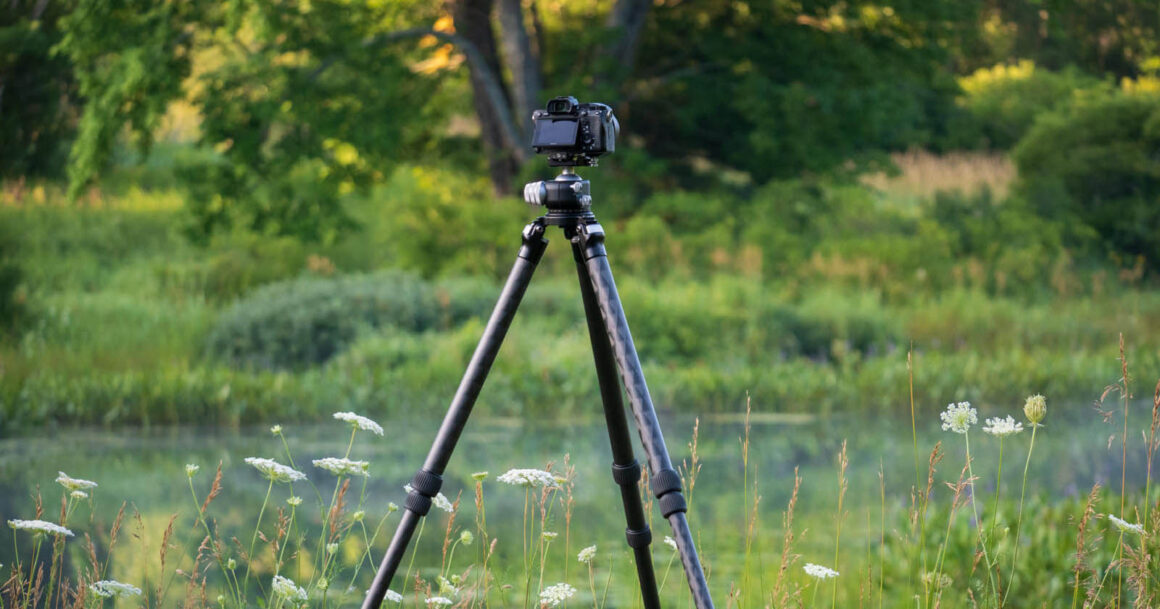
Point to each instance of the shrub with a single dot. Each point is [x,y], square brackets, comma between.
[308,320]
[1002,102]
[1096,163]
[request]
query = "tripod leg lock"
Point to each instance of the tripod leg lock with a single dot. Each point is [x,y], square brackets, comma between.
[424,486]
[638,539]
[666,485]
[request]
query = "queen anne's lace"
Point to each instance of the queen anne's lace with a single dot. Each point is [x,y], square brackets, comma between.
[530,478]
[74,484]
[360,422]
[958,417]
[108,588]
[40,526]
[287,589]
[587,555]
[274,471]
[394,597]
[438,600]
[1126,526]
[554,595]
[1002,427]
[342,467]
[818,571]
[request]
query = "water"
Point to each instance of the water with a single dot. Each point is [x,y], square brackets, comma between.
[146,469]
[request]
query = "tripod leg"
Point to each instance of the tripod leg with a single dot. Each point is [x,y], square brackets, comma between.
[666,482]
[427,481]
[625,469]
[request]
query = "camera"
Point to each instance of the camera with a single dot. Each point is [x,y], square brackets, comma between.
[573,134]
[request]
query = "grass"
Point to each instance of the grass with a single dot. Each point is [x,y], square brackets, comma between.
[327,541]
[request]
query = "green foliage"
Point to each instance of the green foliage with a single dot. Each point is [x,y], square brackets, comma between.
[1094,163]
[36,90]
[12,295]
[1003,101]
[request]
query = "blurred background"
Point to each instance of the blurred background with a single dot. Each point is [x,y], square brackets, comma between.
[223,215]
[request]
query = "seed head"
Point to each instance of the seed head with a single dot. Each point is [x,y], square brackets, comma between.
[1035,409]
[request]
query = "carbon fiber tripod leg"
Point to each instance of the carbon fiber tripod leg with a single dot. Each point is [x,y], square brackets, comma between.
[625,469]
[427,481]
[666,483]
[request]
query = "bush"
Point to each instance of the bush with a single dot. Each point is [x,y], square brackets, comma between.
[12,307]
[306,321]
[1096,163]
[1002,102]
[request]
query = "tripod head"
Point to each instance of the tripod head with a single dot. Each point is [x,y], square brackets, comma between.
[571,134]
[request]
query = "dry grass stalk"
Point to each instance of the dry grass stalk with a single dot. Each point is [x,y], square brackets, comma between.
[781,596]
[215,489]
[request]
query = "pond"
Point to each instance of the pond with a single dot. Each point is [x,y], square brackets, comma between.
[146,469]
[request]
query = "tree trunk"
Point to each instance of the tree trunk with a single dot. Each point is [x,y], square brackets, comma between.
[521,61]
[473,22]
[627,17]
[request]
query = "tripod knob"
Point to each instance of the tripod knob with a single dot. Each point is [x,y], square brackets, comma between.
[535,193]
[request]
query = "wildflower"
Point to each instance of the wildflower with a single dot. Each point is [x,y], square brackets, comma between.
[331,548]
[323,583]
[79,495]
[360,422]
[1125,526]
[274,471]
[587,555]
[191,469]
[108,588]
[940,580]
[394,597]
[1035,409]
[40,526]
[276,430]
[358,516]
[479,476]
[1002,428]
[529,478]
[466,538]
[392,507]
[438,600]
[342,467]
[231,564]
[294,501]
[818,571]
[447,588]
[670,542]
[554,595]
[221,599]
[550,535]
[74,484]
[286,588]
[958,417]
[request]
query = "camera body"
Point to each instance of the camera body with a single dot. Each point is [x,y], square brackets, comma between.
[573,134]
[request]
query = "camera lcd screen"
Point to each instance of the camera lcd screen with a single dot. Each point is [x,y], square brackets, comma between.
[555,133]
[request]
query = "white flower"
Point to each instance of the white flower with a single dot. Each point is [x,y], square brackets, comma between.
[79,495]
[587,555]
[438,600]
[360,422]
[554,595]
[531,478]
[287,589]
[818,571]
[74,484]
[274,471]
[1126,526]
[40,526]
[231,564]
[276,430]
[550,535]
[294,501]
[394,597]
[108,588]
[1002,427]
[670,542]
[446,587]
[331,548]
[479,476]
[323,583]
[342,467]
[358,516]
[466,537]
[958,417]
[191,469]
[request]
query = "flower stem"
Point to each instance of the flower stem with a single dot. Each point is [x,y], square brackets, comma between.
[1019,518]
[978,523]
[254,539]
[998,486]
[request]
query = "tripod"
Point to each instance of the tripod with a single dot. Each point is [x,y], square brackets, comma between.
[568,202]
